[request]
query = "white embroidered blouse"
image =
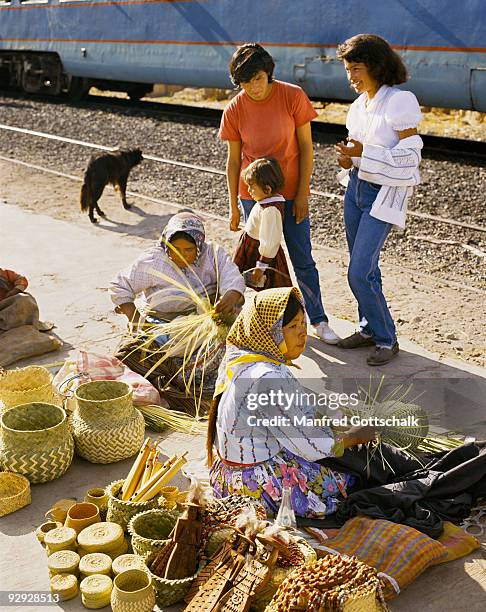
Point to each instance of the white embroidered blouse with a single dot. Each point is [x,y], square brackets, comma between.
[244,439]
[265,224]
[213,274]
[386,160]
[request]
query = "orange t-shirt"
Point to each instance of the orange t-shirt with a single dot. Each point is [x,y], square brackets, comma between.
[267,128]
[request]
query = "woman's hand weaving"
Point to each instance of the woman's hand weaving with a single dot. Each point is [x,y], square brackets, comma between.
[227,304]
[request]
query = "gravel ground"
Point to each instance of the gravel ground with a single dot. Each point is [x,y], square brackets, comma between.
[451,188]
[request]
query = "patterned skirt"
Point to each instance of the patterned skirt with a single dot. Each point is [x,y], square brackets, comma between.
[316,490]
[247,254]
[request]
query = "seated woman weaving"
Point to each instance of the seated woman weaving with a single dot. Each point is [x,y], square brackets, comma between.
[183,257]
[258,457]
[172,278]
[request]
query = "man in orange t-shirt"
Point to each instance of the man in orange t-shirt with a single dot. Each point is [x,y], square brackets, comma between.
[270,118]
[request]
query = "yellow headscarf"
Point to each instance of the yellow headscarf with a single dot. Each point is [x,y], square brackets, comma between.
[257,335]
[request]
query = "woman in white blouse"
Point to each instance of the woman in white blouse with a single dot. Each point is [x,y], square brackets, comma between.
[260,424]
[379,162]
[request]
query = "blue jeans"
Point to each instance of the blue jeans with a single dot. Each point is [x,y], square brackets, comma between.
[298,241]
[366,237]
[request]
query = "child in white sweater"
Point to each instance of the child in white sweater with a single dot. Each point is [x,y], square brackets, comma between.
[259,253]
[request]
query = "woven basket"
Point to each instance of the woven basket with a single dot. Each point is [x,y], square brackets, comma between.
[150,530]
[106,426]
[14,492]
[168,592]
[36,441]
[279,574]
[26,385]
[122,511]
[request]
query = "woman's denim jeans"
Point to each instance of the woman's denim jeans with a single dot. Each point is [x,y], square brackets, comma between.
[298,241]
[366,237]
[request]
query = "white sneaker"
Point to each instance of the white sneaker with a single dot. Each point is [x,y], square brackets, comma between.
[325,333]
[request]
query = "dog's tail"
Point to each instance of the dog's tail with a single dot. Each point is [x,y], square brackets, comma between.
[84,197]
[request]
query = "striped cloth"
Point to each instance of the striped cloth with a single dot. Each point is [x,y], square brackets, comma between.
[401,553]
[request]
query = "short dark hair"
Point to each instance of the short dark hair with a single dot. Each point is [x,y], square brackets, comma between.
[247,61]
[383,63]
[292,309]
[265,172]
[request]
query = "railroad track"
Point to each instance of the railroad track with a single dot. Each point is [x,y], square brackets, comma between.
[323,131]
[217,171]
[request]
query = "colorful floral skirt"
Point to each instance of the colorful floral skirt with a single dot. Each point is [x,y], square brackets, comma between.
[316,490]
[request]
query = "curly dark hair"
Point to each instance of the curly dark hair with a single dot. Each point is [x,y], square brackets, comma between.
[383,63]
[247,61]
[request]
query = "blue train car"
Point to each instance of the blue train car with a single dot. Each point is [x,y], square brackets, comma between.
[54,45]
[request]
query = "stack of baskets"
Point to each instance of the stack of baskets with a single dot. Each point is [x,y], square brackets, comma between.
[106,426]
[25,385]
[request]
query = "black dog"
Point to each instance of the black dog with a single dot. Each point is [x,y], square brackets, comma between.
[104,168]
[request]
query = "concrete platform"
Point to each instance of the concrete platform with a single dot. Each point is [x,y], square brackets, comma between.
[69,268]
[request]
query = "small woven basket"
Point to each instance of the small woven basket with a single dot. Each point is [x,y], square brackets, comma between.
[36,441]
[168,592]
[150,530]
[122,511]
[14,492]
[26,385]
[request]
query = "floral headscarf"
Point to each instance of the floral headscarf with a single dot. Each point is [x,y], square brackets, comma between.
[189,224]
[257,334]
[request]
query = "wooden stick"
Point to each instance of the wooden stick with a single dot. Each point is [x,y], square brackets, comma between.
[133,477]
[164,478]
[148,468]
[156,467]
[144,488]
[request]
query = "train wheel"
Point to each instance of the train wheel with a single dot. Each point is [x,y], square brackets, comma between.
[78,88]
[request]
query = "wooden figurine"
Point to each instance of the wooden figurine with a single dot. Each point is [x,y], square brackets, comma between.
[251,578]
[222,569]
[187,533]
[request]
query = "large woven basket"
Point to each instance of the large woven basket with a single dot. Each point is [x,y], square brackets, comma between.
[26,385]
[168,592]
[14,492]
[36,441]
[106,426]
[150,530]
[360,592]
[122,511]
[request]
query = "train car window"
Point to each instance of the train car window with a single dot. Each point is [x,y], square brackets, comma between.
[34,1]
